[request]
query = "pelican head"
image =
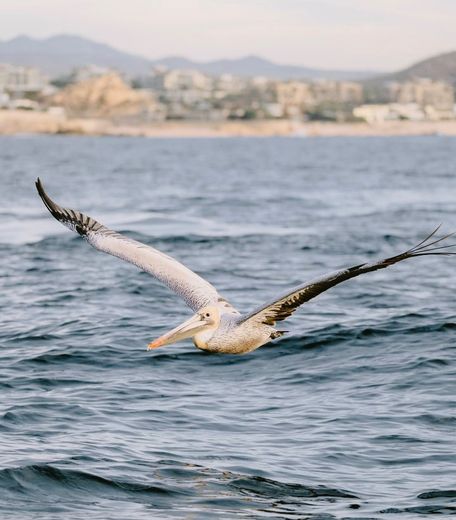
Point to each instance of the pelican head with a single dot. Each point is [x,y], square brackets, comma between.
[201,326]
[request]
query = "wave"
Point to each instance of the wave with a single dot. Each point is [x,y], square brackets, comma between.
[173,487]
[262,486]
[436,509]
[437,493]
[33,478]
[352,410]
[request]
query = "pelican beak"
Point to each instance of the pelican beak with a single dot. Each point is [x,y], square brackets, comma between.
[186,330]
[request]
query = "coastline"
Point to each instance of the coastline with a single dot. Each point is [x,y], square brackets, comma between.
[14,122]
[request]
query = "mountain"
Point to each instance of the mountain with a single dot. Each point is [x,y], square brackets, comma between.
[256,66]
[441,67]
[58,55]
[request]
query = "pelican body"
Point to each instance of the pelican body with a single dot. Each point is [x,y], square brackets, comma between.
[217,326]
[216,329]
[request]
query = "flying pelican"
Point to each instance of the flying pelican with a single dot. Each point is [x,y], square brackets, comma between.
[217,326]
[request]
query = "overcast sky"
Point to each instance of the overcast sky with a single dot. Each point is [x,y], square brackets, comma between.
[344,34]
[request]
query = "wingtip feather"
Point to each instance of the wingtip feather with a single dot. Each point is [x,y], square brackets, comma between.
[53,208]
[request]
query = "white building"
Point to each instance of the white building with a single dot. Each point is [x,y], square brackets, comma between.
[88,72]
[162,79]
[374,114]
[19,81]
[4,99]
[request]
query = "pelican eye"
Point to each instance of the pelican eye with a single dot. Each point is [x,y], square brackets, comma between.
[207,315]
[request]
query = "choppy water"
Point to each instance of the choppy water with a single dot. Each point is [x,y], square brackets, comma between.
[351,416]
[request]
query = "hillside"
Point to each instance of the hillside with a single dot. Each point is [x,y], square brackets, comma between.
[104,96]
[58,55]
[441,67]
[257,66]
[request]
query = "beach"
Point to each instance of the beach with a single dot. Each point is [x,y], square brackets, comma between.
[13,122]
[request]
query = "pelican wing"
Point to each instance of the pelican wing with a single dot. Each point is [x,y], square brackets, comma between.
[194,290]
[285,305]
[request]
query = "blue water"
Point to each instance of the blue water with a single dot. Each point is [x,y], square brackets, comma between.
[351,416]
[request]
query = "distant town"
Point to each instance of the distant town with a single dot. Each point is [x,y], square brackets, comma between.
[162,94]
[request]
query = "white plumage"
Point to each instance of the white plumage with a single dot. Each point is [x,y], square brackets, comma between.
[217,326]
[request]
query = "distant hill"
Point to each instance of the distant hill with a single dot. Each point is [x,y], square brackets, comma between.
[57,55]
[440,67]
[257,66]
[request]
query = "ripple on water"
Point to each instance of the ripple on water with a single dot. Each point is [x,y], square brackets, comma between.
[173,488]
[349,416]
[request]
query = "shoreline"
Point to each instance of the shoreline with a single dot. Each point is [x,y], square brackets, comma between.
[16,122]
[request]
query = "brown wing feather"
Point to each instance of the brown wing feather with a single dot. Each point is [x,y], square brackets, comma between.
[284,306]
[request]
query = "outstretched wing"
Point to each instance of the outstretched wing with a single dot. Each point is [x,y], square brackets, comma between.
[194,290]
[285,305]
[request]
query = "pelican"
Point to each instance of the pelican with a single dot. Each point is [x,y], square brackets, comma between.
[217,326]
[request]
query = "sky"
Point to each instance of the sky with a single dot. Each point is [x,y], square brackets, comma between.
[381,35]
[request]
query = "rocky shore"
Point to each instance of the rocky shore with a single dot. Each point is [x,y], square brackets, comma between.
[13,122]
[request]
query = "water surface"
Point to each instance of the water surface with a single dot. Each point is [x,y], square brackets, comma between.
[351,416]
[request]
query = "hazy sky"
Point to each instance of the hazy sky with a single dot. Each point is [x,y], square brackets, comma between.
[357,34]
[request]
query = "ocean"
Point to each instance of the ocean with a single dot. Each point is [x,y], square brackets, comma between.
[349,416]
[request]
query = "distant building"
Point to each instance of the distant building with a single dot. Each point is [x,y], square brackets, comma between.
[186,80]
[190,94]
[162,79]
[273,110]
[88,72]
[259,81]
[21,81]
[436,98]
[294,97]
[4,100]
[227,84]
[322,99]
[184,94]
[374,114]
[342,92]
